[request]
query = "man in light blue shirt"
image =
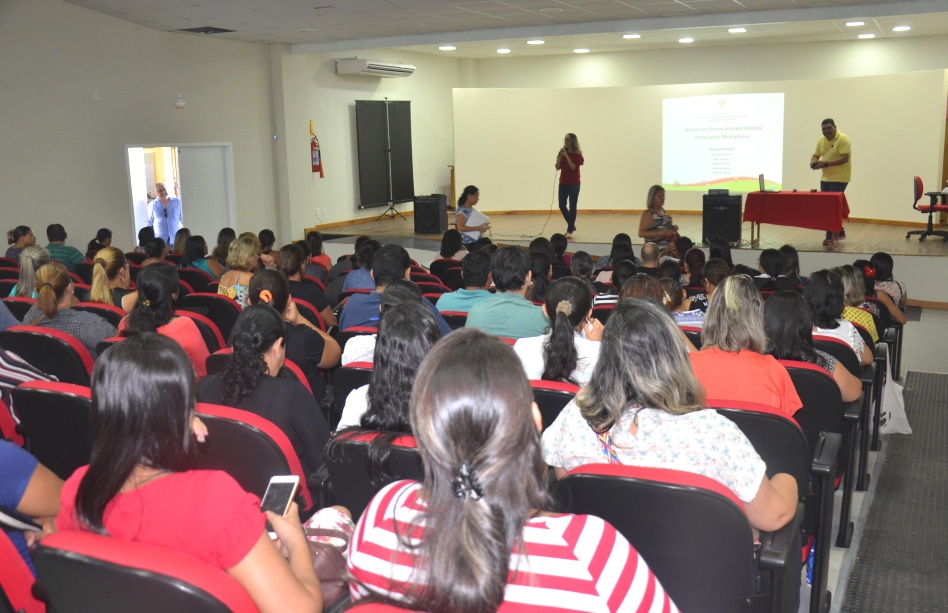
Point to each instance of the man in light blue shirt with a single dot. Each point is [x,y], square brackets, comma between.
[475,270]
[164,215]
[508,312]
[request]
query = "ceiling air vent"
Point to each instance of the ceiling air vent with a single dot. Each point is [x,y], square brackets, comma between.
[372,68]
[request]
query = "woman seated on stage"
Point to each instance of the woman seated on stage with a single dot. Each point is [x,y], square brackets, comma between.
[466,202]
[475,534]
[137,485]
[655,224]
[643,406]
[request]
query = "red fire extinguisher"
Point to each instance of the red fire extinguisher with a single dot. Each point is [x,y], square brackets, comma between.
[314,150]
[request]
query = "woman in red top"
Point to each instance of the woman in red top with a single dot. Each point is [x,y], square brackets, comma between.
[568,161]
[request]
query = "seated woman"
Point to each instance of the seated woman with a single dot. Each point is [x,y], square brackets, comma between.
[621,271]
[676,300]
[824,295]
[643,406]
[19,238]
[53,309]
[31,259]
[854,295]
[243,259]
[772,268]
[110,280]
[251,382]
[154,312]
[306,345]
[731,364]
[581,265]
[138,487]
[103,239]
[156,250]
[361,348]
[542,269]
[693,266]
[655,224]
[195,256]
[714,271]
[311,268]
[291,260]
[480,522]
[407,332]
[361,275]
[791,260]
[224,238]
[180,241]
[561,260]
[314,240]
[789,328]
[644,286]
[452,246]
[30,488]
[470,223]
[886,284]
[569,351]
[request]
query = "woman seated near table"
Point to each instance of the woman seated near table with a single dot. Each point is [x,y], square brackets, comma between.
[475,535]
[137,485]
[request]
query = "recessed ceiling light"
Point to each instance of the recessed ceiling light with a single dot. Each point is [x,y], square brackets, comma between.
[737,30]
[580,50]
[447,47]
[901,28]
[535,42]
[631,36]
[503,50]
[867,36]
[853,24]
[686,40]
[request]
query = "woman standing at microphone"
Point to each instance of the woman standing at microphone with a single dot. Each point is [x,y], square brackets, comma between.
[568,161]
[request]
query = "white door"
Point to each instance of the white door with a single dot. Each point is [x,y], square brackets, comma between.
[207,188]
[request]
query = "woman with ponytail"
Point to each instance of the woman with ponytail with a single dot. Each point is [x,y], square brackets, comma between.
[292,261]
[251,382]
[111,280]
[52,309]
[571,348]
[475,535]
[154,312]
[31,259]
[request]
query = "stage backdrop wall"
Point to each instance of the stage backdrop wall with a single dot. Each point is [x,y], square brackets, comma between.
[506,140]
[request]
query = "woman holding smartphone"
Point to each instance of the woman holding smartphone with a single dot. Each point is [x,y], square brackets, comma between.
[137,486]
[568,161]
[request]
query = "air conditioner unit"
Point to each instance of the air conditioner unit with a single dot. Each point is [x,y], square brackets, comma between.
[375,68]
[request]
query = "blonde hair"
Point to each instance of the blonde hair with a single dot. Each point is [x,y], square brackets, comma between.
[31,259]
[854,286]
[52,280]
[240,251]
[735,320]
[107,264]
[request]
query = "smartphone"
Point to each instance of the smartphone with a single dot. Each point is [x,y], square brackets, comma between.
[280,493]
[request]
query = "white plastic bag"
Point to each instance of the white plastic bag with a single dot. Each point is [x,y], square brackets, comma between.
[892,419]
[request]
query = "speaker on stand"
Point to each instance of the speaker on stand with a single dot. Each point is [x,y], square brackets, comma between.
[721,218]
[431,214]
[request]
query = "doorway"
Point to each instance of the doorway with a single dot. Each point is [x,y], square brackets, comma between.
[200,174]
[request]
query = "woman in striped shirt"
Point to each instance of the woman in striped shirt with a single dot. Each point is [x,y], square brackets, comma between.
[474,536]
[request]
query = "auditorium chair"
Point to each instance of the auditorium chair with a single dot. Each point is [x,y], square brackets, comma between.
[197,279]
[551,397]
[602,312]
[19,306]
[314,281]
[452,277]
[6,262]
[16,581]
[7,285]
[343,336]
[440,265]
[209,331]
[222,310]
[781,443]
[83,571]
[423,277]
[353,482]
[10,274]
[433,287]
[52,351]
[308,311]
[108,312]
[694,534]
[55,420]
[929,209]
[455,319]
[345,379]
[694,335]
[251,449]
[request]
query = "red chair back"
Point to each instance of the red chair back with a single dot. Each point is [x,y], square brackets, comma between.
[55,420]
[196,278]
[309,311]
[551,397]
[220,309]
[109,312]
[209,331]
[50,350]
[16,580]
[19,305]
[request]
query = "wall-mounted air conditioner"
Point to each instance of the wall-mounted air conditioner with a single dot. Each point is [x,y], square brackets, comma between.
[373,68]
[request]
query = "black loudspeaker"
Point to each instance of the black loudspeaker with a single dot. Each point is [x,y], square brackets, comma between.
[721,218]
[431,214]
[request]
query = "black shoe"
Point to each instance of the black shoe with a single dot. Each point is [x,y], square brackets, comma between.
[842,234]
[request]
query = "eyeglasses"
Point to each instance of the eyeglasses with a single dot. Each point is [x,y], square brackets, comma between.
[166,211]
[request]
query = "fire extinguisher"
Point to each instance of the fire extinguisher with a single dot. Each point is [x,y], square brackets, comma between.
[314,150]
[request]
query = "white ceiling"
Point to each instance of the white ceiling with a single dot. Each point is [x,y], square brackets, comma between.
[479,27]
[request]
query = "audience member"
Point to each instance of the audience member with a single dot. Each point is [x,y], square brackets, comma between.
[693,265]
[31,259]
[742,269]
[644,406]
[791,261]
[111,283]
[561,260]
[568,352]
[621,271]
[854,294]
[581,265]
[676,300]
[475,270]
[452,246]
[649,264]
[267,239]
[178,246]
[542,269]
[824,294]
[715,270]
[290,260]
[620,252]
[103,239]
[19,238]
[53,309]
[720,248]
[156,249]
[306,345]
[480,516]
[361,275]
[508,312]
[772,267]
[144,235]
[642,286]
[361,348]
[315,241]
[619,239]
[344,264]
[154,312]
[142,436]
[251,382]
[669,268]
[243,259]
[789,327]
[195,256]
[731,364]
[885,282]
[224,238]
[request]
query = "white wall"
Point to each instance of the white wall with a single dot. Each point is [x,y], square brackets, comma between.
[63,157]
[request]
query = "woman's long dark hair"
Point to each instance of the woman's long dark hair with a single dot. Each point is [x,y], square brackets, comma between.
[193,250]
[291,259]
[363,257]
[719,248]
[154,247]
[568,302]
[789,327]
[451,243]
[559,244]
[884,264]
[157,286]
[540,264]
[695,260]
[471,405]
[142,401]
[791,261]
[470,190]
[255,331]
[274,282]
[773,262]
[824,294]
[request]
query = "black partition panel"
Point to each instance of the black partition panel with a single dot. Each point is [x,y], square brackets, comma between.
[385,159]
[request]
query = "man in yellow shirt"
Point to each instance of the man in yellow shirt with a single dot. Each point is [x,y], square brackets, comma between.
[833,155]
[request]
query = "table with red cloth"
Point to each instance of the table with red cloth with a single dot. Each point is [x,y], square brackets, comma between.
[815,210]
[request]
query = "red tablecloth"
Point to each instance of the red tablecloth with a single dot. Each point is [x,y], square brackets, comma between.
[815,210]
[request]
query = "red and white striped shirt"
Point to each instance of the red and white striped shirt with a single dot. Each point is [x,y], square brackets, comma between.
[572,563]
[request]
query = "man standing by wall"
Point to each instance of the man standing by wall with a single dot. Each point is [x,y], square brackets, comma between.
[832,155]
[164,214]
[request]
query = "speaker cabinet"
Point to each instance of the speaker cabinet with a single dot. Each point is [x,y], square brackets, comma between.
[721,218]
[431,214]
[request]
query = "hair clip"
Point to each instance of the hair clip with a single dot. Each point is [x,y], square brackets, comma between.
[564,307]
[265,296]
[465,484]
